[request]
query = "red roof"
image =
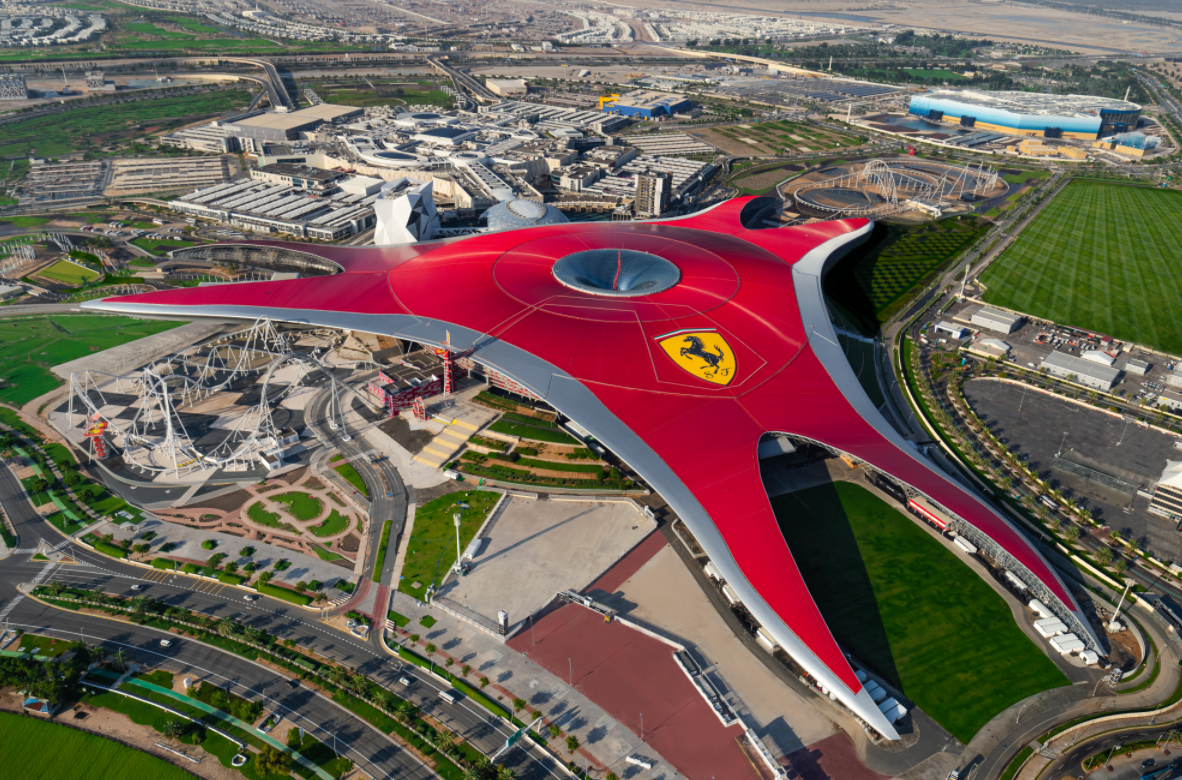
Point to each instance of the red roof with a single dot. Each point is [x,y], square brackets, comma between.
[736,283]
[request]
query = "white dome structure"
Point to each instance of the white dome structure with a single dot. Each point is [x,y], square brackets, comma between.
[516,214]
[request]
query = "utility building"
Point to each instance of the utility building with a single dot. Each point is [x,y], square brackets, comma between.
[996,320]
[1167,493]
[1081,371]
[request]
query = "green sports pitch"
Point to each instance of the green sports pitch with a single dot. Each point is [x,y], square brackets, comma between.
[68,273]
[1102,257]
[905,606]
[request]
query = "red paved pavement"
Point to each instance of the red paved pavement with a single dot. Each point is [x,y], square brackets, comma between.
[832,758]
[628,673]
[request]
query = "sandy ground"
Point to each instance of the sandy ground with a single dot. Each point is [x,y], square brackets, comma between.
[1007,21]
[113,725]
[666,596]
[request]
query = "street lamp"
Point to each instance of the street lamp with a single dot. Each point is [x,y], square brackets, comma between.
[1061,443]
[457,517]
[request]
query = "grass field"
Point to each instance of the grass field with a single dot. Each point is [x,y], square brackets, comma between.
[69,273]
[908,608]
[353,478]
[876,279]
[432,548]
[160,246]
[553,435]
[332,525]
[82,129]
[30,345]
[61,752]
[301,505]
[1102,257]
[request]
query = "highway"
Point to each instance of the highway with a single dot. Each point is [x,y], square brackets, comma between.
[287,622]
[459,77]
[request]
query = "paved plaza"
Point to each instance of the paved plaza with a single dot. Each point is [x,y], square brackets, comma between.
[534,549]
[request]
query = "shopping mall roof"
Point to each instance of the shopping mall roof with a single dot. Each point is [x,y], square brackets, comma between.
[721,337]
[1035,103]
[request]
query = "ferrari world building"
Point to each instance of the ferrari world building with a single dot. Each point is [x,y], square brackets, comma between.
[679,345]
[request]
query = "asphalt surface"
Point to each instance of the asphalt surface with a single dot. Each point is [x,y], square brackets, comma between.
[475,724]
[388,494]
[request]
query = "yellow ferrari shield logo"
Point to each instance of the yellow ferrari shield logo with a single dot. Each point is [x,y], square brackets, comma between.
[703,353]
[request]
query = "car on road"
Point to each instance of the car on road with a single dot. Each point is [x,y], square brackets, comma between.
[166,643]
[250,597]
[1148,762]
[137,587]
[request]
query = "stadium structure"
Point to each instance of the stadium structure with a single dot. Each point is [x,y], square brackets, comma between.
[681,345]
[1083,117]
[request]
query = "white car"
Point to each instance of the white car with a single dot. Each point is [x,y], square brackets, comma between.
[166,643]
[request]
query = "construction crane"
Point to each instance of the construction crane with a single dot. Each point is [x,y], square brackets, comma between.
[607,99]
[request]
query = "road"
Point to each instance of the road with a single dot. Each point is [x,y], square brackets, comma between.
[285,621]
[388,494]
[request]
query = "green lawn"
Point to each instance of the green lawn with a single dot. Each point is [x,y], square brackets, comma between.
[259,514]
[353,478]
[30,345]
[908,608]
[69,273]
[1102,257]
[61,752]
[147,28]
[160,246]
[25,222]
[530,432]
[333,524]
[876,279]
[432,547]
[325,555]
[302,506]
[82,129]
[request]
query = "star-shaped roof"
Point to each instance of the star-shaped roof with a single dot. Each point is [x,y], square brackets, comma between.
[680,383]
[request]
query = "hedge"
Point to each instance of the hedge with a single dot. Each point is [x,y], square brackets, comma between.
[284,594]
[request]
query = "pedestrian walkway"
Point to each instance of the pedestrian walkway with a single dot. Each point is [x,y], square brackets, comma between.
[605,742]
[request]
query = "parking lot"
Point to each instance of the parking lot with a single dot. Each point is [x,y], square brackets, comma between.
[1128,455]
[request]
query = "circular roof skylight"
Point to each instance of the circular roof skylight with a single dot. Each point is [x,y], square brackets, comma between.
[617,273]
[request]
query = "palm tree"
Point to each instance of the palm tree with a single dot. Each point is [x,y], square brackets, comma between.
[1104,556]
[139,605]
[226,627]
[253,635]
[119,659]
[405,711]
[56,587]
[382,698]
[445,741]
[505,773]
[337,675]
[359,683]
[175,729]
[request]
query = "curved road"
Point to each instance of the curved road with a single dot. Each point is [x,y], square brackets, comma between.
[375,752]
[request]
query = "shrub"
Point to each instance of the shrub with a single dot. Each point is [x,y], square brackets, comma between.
[554,731]
[518,705]
[430,648]
[246,552]
[483,682]
[572,743]
[209,544]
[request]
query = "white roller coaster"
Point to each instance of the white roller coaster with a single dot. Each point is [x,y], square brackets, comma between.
[887,187]
[155,439]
